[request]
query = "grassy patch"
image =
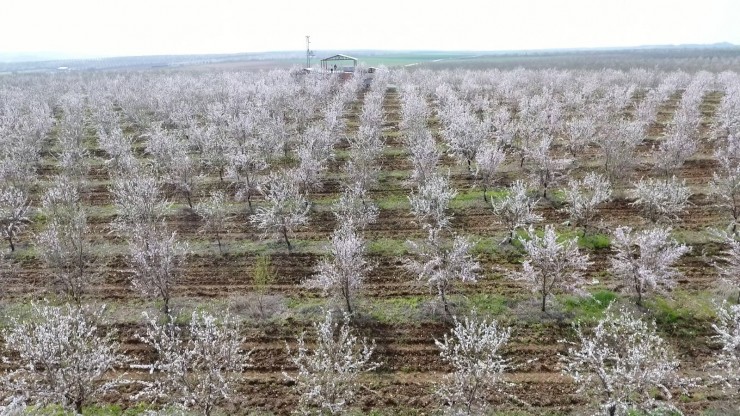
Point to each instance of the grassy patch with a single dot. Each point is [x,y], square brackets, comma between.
[387,247]
[489,304]
[589,309]
[394,202]
[594,241]
[466,198]
[589,241]
[305,308]
[683,314]
[397,309]
[489,246]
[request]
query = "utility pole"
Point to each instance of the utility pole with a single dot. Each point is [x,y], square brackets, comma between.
[308,52]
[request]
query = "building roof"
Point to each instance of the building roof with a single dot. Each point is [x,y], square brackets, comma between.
[340,57]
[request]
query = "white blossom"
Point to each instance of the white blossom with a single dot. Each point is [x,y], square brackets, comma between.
[424,156]
[156,259]
[62,356]
[618,144]
[729,268]
[355,207]
[580,133]
[546,170]
[327,374]
[725,183]
[431,201]
[440,263]
[214,212]
[473,349]
[644,260]
[487,161]
[515,209]
[552,266]
[621,363]
[138,201]
[727,360]
[342,274]
[285,209]
[198,368]
[673,152]
[14,214]
[661,199]
[584,196]
[65,248]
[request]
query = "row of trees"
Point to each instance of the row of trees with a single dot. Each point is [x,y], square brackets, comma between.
[241,139]
[156,255]
[65,356]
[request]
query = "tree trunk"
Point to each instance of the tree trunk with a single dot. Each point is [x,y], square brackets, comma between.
[544,299]
[444,302]
[166,307]
[218,240]
[10,240]
[348,304]
[544,294]
[261,305]
[285,236]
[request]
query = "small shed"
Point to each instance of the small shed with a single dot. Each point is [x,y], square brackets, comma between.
[339,63]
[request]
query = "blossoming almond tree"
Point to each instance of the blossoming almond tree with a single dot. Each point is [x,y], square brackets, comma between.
[440,263]
[551,266]
[327,374]
[430,203]
[156,259]
[14,215]
[584,196]
[487,161]
[473,349]
[285,210]
[727,360]
[343,273]
[661,199]
[214,213]
[725,183]
[354,206]
[621,363]
[63,356]
[729,267]
[66,249]
[198,369]
[515,209]
[644,259]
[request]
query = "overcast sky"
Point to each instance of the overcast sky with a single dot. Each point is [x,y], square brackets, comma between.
[146,27]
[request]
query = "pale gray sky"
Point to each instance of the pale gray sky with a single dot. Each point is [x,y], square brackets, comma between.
[145,27]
